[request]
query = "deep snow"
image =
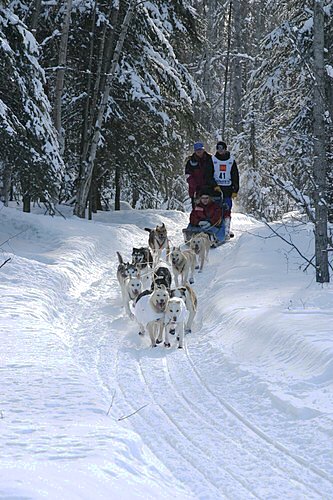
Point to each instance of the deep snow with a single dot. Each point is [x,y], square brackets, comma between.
[244,411]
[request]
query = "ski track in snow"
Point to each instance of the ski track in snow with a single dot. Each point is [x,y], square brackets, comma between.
[200,437]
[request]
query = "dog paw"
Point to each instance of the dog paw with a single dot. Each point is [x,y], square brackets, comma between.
[188,331]
[191,280]
[180,347]
[177,338]
[172,331]
[196,267]
[158,341]
[200,271]
[141,333]
[167,344]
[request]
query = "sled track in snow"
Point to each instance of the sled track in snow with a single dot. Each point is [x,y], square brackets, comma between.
[272,442]
[164,444]
[215,470]
[269,464]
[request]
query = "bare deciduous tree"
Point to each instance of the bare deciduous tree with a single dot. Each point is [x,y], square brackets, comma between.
[85,180]
[320,160]
[61,74]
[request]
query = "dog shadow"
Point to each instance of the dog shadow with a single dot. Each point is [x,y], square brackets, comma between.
[139,346]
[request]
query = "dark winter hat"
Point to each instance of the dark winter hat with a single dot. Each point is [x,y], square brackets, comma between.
[220,146]
[197,146]
[205,191]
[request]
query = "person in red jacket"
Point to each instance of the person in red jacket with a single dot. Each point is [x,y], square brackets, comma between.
[206,212]
[207,217]
[199,172]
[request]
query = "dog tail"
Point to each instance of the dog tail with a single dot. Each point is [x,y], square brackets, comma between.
[120,258]
[147,229]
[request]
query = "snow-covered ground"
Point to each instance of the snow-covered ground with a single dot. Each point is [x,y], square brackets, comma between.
[89,411]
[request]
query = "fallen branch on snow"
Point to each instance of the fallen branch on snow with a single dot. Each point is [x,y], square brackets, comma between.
[136,411]
[8,260]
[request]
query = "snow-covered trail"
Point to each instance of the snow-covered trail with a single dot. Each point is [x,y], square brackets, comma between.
[205,418]
[244,411]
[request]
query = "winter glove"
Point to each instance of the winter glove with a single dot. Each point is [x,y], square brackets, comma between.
[217,189]
[234,196]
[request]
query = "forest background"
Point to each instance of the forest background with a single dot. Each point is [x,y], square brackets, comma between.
[101,101]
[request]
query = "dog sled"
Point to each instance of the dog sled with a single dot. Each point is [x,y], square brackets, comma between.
[216,234]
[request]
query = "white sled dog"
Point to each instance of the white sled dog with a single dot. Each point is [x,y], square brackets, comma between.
[200,245]
[189,297]
[158,241]
[183,264]
[132,289]
[176,315]
[149,310]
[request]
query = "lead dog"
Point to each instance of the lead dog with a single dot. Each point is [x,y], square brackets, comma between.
[124,270]
[183,264]
[132,289]
[200,245]
[158,241]
[149,309]
[189,297]
[175,317]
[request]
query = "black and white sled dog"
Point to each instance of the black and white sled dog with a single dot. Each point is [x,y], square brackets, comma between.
[158,241]
[191,302]
[200,245]
[149,310]
[129,281]
[124,270]
[143,261]
[162,276]
[175,317]
[183,264]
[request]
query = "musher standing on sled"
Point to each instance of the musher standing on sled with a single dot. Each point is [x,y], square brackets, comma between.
[226,177]
[199,171]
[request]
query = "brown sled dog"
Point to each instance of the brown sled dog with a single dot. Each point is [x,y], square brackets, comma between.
[158,241]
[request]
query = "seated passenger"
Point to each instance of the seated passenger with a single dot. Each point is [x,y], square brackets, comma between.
[207,216]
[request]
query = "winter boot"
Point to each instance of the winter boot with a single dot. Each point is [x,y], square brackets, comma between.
[213,240]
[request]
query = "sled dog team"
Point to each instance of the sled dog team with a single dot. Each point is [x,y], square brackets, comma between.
[145,284]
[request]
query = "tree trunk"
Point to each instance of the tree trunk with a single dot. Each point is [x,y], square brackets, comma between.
[85,181]
[117,183]
[320,160]
[207,83]
[26,203]
[253,142]
[237,69]
[88,109]
[226,74]
[61,75]
[7,172]
[35,16]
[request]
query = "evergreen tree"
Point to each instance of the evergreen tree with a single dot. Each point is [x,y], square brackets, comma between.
[29,148]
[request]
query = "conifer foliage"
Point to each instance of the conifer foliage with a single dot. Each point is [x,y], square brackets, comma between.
[29,154]
[131,84]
